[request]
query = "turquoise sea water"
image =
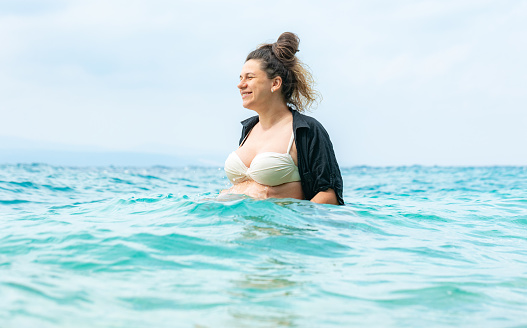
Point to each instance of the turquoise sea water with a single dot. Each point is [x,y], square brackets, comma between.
[153,247]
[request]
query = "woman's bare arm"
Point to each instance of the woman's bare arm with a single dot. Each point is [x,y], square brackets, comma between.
[326,197]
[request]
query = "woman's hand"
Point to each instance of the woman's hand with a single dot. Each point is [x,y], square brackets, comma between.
[326,197]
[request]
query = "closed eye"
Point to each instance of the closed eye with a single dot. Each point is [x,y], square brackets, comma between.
[248,77]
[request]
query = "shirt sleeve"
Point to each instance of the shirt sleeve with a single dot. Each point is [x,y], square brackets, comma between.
[324,168]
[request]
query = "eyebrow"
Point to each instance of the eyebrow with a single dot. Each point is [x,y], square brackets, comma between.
[248,73]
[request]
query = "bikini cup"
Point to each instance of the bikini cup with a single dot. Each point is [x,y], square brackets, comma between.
[269,168]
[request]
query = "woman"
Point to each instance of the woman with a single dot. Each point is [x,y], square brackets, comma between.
[282,153]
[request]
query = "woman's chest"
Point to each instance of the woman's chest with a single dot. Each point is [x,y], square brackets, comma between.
[258,146]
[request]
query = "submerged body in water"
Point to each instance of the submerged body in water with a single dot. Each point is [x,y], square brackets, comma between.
[111,247]
[256,190]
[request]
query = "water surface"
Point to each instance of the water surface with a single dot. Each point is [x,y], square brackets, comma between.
[153,247]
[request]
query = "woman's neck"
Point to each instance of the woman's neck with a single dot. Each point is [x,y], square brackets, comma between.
[273,115]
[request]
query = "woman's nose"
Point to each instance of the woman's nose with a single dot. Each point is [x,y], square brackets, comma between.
[242,84]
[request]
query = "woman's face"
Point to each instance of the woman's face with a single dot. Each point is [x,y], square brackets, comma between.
[255,87]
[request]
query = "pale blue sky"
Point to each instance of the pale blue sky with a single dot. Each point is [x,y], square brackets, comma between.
[404,82]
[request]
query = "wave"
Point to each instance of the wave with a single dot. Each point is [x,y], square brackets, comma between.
[139,246]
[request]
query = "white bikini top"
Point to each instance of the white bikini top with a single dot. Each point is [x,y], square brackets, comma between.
[269,168]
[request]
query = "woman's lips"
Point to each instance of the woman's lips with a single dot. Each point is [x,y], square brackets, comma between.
[245,94]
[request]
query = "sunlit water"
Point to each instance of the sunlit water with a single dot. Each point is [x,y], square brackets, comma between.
[153,247]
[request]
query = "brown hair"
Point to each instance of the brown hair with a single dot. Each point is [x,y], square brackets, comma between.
[279,59]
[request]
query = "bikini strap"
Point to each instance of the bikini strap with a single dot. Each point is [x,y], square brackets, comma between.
[291,142]
[246,136]
[243,141]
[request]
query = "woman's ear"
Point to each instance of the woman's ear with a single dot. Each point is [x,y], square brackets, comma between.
[277,83]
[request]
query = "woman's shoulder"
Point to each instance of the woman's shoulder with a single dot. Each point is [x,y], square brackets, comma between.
[304,121]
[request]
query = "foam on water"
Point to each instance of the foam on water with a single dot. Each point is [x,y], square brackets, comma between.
[135,247]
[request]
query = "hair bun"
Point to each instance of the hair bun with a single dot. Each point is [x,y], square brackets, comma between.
[286,47]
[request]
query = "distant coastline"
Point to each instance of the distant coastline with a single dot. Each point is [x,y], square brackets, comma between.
[18,151]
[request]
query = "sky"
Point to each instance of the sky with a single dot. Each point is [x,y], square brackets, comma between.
[403,82]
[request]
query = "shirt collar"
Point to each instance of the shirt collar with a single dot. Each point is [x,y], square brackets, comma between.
[298,120]
[250,122]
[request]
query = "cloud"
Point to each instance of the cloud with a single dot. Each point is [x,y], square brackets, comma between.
[127,75]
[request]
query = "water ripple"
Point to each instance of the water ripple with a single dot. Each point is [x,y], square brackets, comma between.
[116,247]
